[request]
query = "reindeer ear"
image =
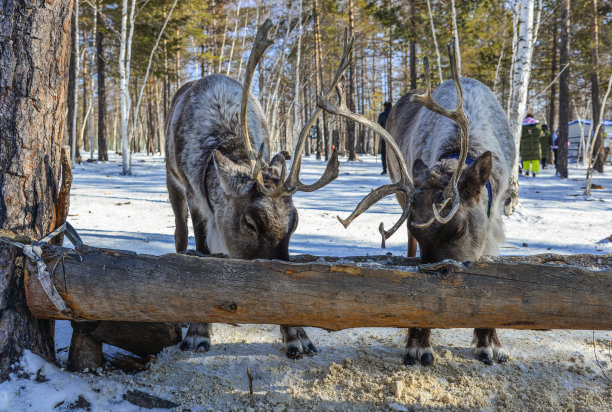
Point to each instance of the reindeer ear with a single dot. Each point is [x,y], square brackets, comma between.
[475,176]
[231,176]
[277,164]
[418,166]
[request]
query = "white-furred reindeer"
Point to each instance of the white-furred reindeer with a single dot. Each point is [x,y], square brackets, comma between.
[240,205]
[452,196]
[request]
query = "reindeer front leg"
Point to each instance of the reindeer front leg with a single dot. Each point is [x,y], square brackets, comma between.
[296,342]
[418,347]
[197,338]
[488,346]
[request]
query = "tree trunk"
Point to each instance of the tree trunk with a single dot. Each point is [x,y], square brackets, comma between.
[435,40]
[564,109]
[85,109]
[101,63]
[296,98]
[123,286]
[455,34]
[553,75]
[520,85]
[32,117]
[599,160]
[71,123]
[350,125]
[318,71]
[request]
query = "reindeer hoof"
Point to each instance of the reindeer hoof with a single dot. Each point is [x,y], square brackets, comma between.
[310,349]
[409,360]
[485,358]
[294,353]
[203,346]
[503,358]
[427,359]
[184,346]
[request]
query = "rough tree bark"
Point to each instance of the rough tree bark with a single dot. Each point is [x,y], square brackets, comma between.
[564,109]
[35,50]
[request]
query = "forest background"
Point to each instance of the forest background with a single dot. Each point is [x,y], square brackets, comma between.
[133,55]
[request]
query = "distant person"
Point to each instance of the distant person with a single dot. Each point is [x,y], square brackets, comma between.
[531,151]
[382,120]
[555,146]
[545,144]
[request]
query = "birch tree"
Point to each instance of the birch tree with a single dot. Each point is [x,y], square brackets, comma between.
[435,40]
[520,86]
[456,36]
[125,55]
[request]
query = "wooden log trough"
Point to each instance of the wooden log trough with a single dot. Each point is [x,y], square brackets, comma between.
[536,292]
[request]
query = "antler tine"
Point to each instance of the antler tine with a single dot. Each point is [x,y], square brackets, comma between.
[261,43]
[293,183]
[451,192]
[404,185]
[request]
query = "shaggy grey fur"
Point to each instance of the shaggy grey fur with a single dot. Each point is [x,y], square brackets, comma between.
[208,176]
[425,138]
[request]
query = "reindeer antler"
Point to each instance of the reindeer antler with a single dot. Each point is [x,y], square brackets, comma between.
[451,192]
[404,185]
[261,43]
[292,184]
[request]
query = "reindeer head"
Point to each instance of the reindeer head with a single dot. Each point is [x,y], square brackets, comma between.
[257,197]
[256,225]
[462,236]
[443,203]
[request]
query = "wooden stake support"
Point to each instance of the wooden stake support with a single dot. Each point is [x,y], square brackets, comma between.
[538,292]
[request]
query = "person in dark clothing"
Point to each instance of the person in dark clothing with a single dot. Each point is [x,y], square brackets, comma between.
[531,151]
[382,120]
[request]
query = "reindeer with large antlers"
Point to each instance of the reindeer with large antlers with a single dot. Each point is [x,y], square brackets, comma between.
[452,197]
[240,204]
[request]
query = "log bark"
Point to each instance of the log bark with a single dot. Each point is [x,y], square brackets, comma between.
[541,292]
[34,63]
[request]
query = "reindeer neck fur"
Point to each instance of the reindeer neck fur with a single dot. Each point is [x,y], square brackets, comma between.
[423,134]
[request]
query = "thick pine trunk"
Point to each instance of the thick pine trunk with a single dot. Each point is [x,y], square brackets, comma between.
[564,109]
[35,50]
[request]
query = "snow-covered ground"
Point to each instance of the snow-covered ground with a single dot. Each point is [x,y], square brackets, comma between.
[355,369]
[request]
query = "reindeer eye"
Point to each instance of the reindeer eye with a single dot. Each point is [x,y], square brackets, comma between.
[250,224]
